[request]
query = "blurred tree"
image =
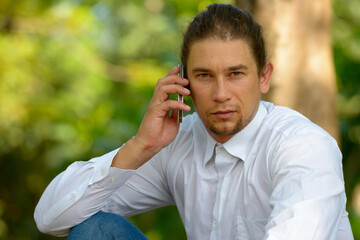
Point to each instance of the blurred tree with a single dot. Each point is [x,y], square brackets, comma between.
[298,35]
[306,40]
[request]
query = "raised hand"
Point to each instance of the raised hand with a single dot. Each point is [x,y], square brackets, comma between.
[158,127]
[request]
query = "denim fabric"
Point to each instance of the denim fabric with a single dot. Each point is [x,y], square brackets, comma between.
[105,226]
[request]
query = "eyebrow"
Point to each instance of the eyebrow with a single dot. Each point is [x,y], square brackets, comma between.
[238,67]
[232,68]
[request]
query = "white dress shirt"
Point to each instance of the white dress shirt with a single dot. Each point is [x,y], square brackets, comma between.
[279,178]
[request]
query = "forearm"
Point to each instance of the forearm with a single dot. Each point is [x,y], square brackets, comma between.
[133,154]
[78,193]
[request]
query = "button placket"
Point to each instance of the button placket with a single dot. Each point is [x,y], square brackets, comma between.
[222,166]
[224,163]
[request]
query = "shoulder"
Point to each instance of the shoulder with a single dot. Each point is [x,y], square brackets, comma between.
[292,138]
[291,124]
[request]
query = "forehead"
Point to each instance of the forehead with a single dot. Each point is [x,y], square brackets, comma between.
[219,52]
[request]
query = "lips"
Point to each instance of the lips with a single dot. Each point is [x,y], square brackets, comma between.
[224,114]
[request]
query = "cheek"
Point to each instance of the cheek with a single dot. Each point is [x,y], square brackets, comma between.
[201,101]
[197,101]
[252,88]
[247,94]
[199,94]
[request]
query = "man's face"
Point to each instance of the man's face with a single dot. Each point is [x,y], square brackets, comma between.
[225,85]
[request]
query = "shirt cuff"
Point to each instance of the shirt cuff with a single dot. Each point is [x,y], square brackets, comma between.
[115,178]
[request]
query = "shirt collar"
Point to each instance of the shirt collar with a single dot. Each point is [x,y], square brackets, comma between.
[210,147]
[240,144]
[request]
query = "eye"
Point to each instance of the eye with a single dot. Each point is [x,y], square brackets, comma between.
[235,74]
[204,75]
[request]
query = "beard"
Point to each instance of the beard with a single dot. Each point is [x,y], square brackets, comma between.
[227,127]
[224,127]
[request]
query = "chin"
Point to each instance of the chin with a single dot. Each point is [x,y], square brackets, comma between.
[225,130]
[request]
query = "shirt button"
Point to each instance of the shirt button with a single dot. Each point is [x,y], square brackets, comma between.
[214,224]
[102,172]
[73,196]
[112,179]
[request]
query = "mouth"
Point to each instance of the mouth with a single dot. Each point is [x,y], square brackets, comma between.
[224,114]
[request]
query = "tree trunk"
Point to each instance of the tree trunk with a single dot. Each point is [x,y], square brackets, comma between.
[298,37]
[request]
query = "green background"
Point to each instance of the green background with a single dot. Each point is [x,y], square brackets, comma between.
[75,80]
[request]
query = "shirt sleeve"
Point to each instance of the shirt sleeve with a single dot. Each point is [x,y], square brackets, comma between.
[85,188]
[308,198]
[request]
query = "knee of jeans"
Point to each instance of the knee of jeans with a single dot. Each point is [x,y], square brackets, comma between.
[105,226]
[96,223]
[109,220]
[104,219]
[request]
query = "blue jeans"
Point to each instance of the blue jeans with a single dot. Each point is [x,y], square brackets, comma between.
[105,226]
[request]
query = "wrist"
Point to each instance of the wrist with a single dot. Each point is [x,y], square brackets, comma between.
[145,148]
[133,154]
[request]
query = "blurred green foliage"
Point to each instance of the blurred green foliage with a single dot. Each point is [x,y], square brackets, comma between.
[346,45]
[75,80]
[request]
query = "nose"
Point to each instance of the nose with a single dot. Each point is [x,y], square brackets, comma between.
[221,91]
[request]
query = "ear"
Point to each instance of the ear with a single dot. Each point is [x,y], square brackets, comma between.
[265,77]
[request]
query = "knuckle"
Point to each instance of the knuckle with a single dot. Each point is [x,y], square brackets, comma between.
[161,88]
[160,80]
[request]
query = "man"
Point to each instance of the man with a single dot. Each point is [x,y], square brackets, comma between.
[238,168]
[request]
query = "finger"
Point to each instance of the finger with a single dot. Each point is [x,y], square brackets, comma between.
[176,105]
[174,89]
[173,105]
[173,79]
[174,71]
[174,115]
[162,93]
